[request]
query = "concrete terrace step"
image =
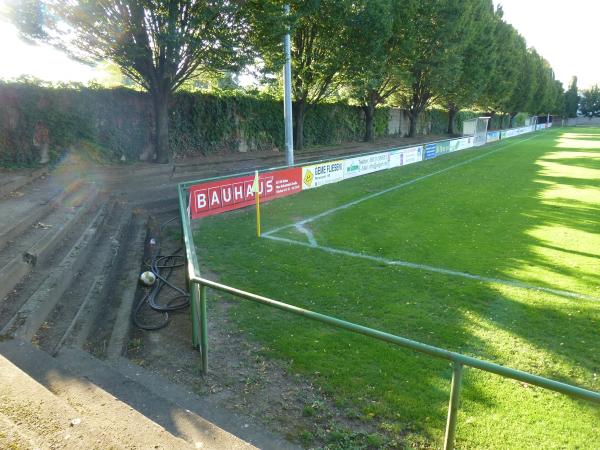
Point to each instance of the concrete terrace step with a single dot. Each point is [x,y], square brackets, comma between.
[40,303]
[20,213]
[64,409]
[202,407]
[13,436]
[11,181]
[32,417]
[179,421]
[38,242]
[87,299]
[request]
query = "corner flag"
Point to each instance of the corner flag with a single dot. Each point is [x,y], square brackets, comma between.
[255,187]
[256,190]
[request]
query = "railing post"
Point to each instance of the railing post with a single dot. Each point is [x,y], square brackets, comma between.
[203,328]
[453,407]
[194,312]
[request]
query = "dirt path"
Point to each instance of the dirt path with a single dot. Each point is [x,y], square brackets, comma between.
[242,380]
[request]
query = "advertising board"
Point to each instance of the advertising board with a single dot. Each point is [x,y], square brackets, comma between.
[493,136]
[430,151]
[218,196]
[442,147]
[412,155]
[464,143]
[320,174]
[361,165]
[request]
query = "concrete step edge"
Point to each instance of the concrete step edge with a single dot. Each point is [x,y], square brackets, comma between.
[17,184]
[184,398]
[44,248]
[16,269]
[132,262]
[179,421]
[104,420]
[90,309]
[38,213]
[38,306]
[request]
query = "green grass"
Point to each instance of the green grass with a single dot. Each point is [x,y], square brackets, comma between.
[528,211]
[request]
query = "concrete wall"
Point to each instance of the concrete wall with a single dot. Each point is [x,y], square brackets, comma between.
[399,123]
[589,121]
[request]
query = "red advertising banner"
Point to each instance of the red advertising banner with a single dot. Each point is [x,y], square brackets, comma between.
[219,196]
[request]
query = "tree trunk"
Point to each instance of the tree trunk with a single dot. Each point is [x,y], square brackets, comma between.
[369,123]
[451,116]
[511,123]
[413,117]
[161,120]
[369,110]
[299,112]
[492,114]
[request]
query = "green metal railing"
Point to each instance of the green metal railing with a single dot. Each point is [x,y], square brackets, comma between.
[198,299]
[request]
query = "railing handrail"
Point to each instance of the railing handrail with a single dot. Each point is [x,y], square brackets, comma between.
[437,352]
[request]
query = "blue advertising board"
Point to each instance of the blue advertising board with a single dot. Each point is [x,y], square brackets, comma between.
[430,151]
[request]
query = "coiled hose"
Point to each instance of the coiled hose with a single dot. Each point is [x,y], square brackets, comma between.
[162,266]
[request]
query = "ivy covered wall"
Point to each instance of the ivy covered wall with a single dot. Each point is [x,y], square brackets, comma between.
[118,123]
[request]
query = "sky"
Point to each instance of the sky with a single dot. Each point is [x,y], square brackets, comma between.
[563,32]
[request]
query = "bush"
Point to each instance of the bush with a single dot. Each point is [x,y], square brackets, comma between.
[120,121]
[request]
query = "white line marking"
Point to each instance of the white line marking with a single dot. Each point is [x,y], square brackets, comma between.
[393,188]
[309,234]
[455,273]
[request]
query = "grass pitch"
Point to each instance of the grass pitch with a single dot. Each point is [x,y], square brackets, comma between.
[493,252]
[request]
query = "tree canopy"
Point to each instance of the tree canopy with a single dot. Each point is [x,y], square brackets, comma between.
[572,99]
[157,43]
[410,53]
[590,102]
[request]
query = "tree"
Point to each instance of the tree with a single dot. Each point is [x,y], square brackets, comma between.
[477,61]
[326,37]
[572,99]
[373,76]
[544,95]
[558,105]
[157,43]
[430,53]
[589,104]
[522,97]
[503,80]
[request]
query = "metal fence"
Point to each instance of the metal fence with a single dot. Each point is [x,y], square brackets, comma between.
[198,307]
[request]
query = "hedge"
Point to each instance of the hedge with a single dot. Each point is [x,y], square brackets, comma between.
[118,122]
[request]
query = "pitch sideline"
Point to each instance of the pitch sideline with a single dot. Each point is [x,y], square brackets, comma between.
[440,270]
[391,189]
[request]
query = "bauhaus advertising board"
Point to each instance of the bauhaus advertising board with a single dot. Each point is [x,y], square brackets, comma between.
[219,196]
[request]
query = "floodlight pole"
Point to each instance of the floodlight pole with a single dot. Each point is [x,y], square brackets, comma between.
[287,96]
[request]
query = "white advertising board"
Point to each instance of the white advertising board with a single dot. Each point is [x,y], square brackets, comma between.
[361,165]
[404,156]
[320,174]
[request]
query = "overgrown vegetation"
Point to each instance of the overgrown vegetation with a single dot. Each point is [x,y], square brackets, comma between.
[119,122]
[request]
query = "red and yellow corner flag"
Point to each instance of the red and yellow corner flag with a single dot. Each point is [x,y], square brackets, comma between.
[256,190]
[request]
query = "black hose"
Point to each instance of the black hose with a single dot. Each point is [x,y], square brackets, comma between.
[162,266]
